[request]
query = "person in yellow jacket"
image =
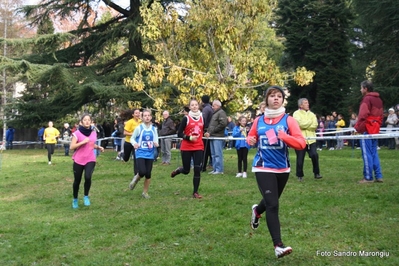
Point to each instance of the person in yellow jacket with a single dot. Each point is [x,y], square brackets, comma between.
[308,124]
[340,124]
[50,136]
[134,120]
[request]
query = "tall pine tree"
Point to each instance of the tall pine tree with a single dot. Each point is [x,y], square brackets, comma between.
[316,36]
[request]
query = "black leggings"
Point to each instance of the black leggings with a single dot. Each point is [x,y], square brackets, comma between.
[271,186]
[50,150]
[242,155]
[144,167]
[197,157]
[128,149]
[77,173]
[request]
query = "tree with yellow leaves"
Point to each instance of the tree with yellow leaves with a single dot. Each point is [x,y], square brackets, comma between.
[225,49]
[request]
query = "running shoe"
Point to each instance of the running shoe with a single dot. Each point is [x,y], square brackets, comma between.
[86,201]
[145,195]
[197,196]
[280,250]
[239,175]
[134,182]
[244,175]
[255,218]
[175,172]
[75,204]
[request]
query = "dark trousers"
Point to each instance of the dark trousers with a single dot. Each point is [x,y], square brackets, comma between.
[300,157]
[129,150]
[242,156]
[77,173]
[207,153]
[271,186]
[9,145]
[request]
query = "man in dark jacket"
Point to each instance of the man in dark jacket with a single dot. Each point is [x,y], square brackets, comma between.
[207,113]
[216,129]
[369,122]
[167,128]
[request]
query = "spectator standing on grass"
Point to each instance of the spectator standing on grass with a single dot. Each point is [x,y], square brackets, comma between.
[66,134]
[216,129]
[9,137]
[84,159]
[145,140]
[340,124]
[272,134]
[307,122]
[369,121]
[352,123]
[167,129]
[40,134]
[156,124]
[230,126]
[391,121]
[320,130]
[50,136]
[133,121]
[330,128]
[191,131]
[118,135]
[242,147]
[207,113]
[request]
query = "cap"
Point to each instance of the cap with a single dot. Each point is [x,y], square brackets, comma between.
[391,109]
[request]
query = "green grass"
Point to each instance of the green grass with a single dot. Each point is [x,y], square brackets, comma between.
[39,227]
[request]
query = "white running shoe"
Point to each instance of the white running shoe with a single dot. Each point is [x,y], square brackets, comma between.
[239,175]
[244,175]
[134,182]
[282,250]
[254,218]
[145,195]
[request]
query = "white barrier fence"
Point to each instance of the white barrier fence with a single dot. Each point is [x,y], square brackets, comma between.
[385,133]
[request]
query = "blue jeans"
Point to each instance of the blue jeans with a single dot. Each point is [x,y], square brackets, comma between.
[217,154]
[66,148]
[8,145]
[370,159]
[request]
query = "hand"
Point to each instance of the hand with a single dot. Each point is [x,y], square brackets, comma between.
[252,141]
[136,145]
[101,148]
[207,134]
[86,140]
[281,134]
[156,144]
[193,138]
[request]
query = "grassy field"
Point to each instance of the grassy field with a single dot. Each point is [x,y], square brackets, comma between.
[332,221]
